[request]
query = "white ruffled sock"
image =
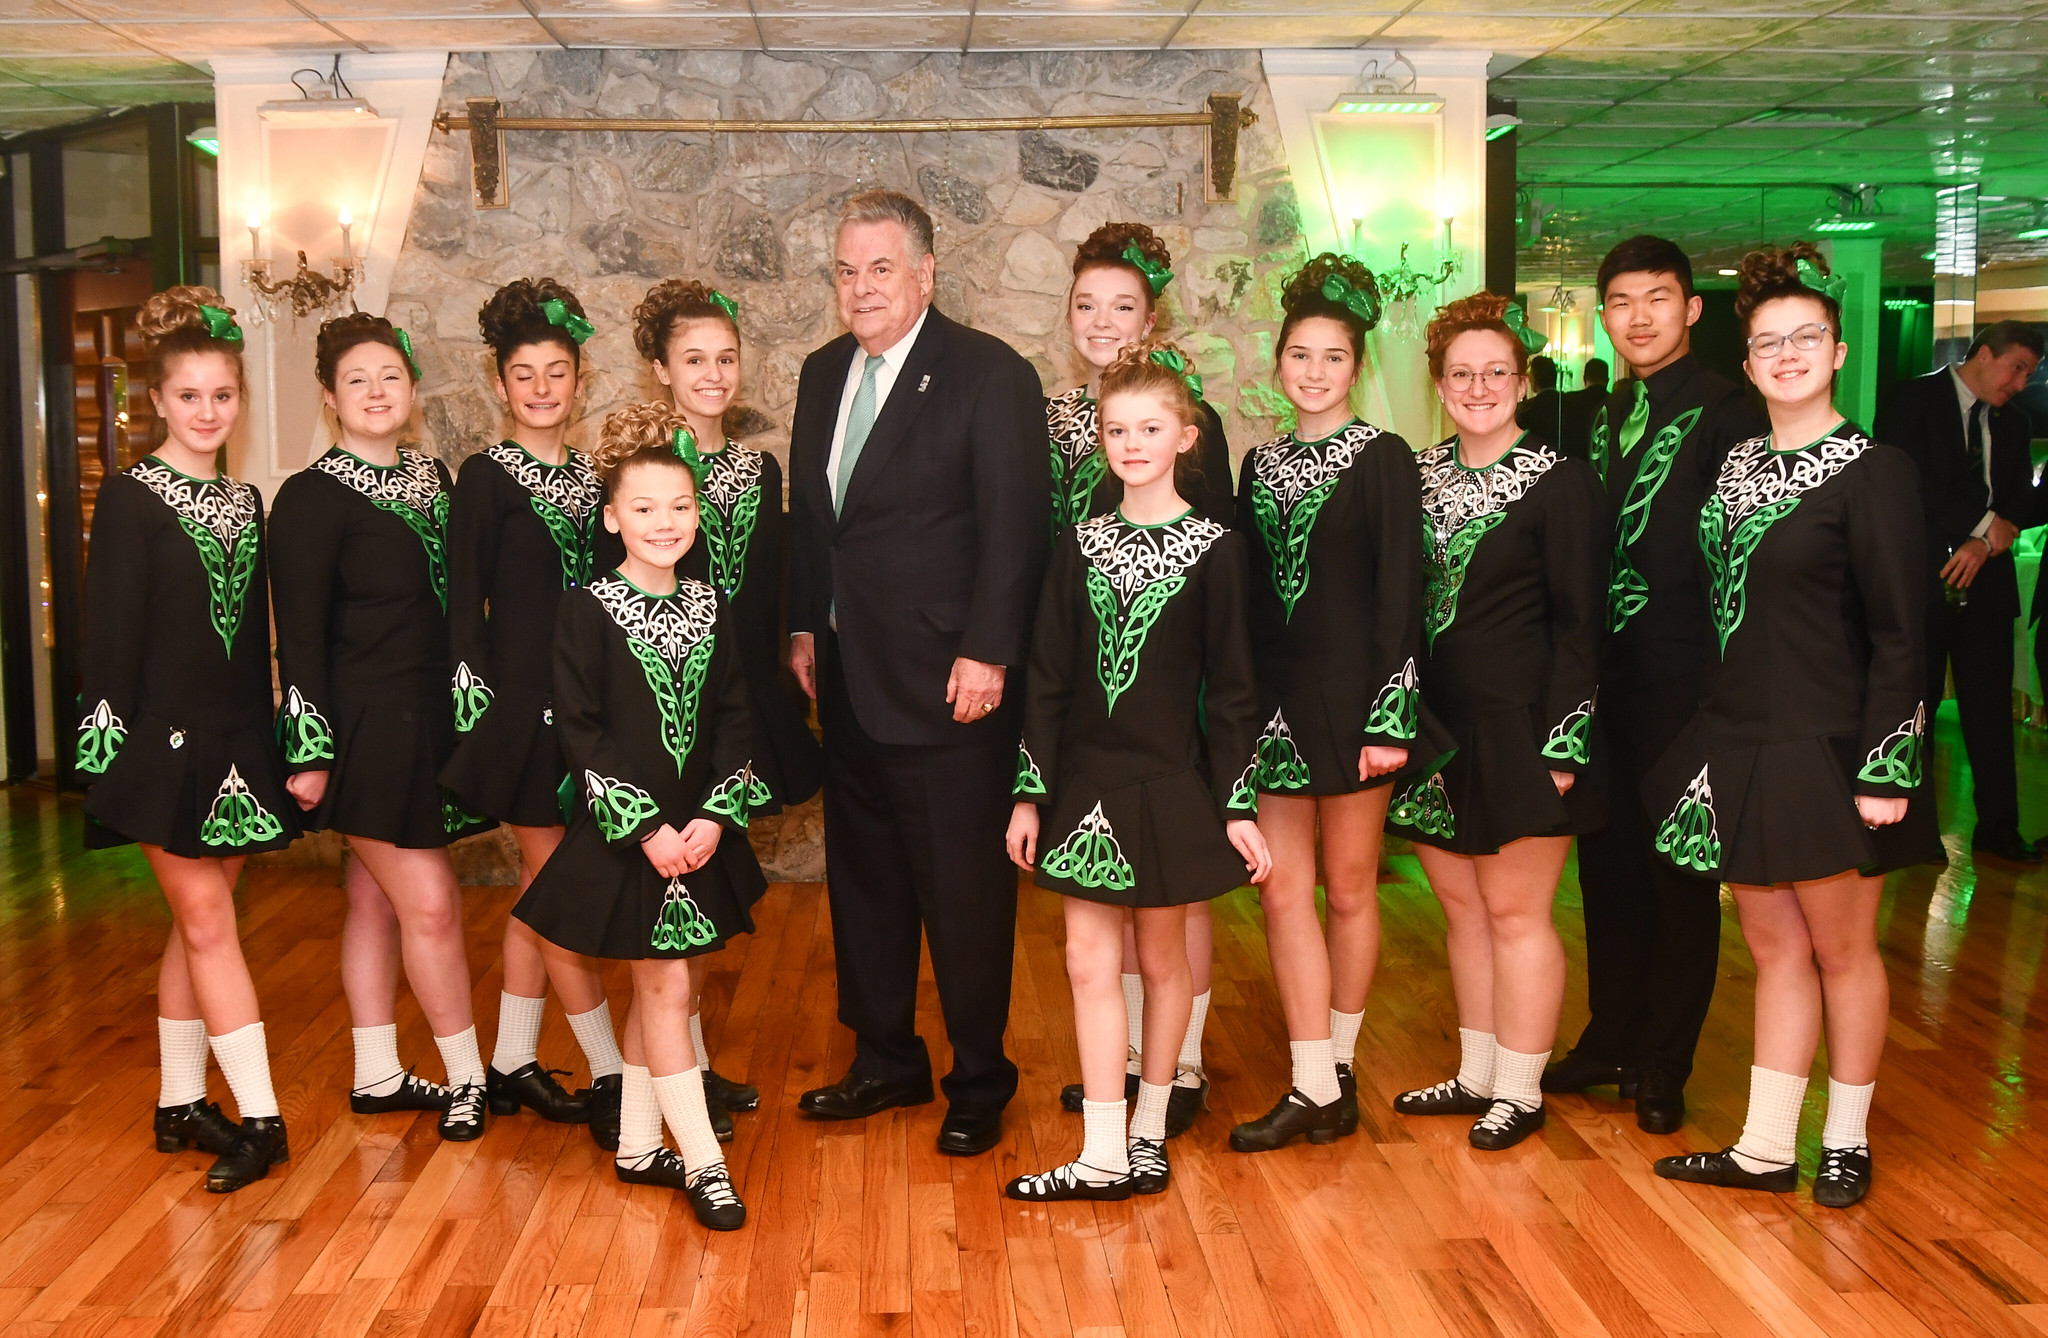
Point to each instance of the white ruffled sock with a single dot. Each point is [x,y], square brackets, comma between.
[245,1061]
[378,1072]
[1475,1061]
[682,1105]
[1344,1035]
[1315,1071]
[518,1041]
[600,1043]
[1134,1017]
[1105,1153]
[465,1064]
[1518,1077]
[1190,1070]
[1848,1115]
[181,1060]
[1770,1132]
[1149,1119]
[639,1117]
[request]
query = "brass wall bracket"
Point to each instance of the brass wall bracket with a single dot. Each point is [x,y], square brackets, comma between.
[491,186]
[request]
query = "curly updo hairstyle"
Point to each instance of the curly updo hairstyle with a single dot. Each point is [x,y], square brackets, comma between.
[173,327]
[513,318]
[635,435]
[1480,311]
[1135,372]
[667,308]
[1303,297]
[352,331]
[1772,272]
[1105,247]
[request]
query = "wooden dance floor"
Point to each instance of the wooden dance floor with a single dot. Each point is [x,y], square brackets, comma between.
[377,1227]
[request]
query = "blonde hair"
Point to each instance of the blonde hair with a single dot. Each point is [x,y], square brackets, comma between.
[637,434]
[173,326]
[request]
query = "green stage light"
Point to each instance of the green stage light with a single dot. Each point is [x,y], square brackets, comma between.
[206,139]
[1847,225]
[1366,104]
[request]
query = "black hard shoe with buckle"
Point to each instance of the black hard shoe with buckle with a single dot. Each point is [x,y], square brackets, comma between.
[602,1098]
[260,1145]
[737,1097]
[1291,1117]
[714,1200]
[1449,1097]
[535,1088]
[1183,1104]
[1062,1183]
[1347,1101]
[1843,1177]
[200,1125]
[412,1094]
[1578,1070]
[463,1121]
[1721,1168]
[1504,1124]
[1150,1171]
[1071,1096]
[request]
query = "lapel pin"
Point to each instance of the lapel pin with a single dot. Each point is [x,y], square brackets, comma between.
[923,383]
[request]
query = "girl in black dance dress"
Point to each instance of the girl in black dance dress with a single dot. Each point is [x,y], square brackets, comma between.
[359,578]
[1140,722]
[651,701]
[176,742]
[1512,626]
[1801,780]
[523,529]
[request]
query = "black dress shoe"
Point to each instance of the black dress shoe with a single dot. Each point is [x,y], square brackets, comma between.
[1504,1124]
[260,1145]
[1449,1097]
[1064,1183]
[1347,1101]
[1720,1168]
[463,1121]
[1150,1171]
[1843,1177]
[721,1119]
[737,1097]
[412,1094]
[663,1167]
[1660,1103]
[854,1098]
[969,1133]
[602,1098]
[1183,1104]
[2010,846]
[200,1124]
[714,1200]
[1578,1070]
[535,1088]
[1291,1117]
[1071,1095]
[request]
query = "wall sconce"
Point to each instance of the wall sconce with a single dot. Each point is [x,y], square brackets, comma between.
[307,291]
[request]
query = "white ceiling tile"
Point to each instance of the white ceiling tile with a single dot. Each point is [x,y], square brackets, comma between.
[1009,32]
[890,32]
[394,34]
[1447,29]
[34,9]
[356,11]
[640,9]
[29,39]
[842,11]
[700,31]
[1237,30]
[205,38]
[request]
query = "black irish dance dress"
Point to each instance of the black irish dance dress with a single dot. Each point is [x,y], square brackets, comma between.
[1517,596]
[176,739]
[1818,602]
[1082,485]
[651,706]
[739,550]
[359,577]
[1336,607]
[520,533]
[1140,713]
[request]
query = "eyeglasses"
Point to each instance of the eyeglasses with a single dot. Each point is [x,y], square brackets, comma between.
[1463,380]
[1806,339]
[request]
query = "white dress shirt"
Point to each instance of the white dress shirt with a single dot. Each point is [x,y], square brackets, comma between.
[893,359]
[1967,399]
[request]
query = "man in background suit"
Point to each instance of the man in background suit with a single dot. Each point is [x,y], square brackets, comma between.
[1578,410]
[919,517]
[1542,413]
[1976,485]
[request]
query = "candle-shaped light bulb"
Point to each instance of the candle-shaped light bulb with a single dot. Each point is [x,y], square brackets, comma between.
[255,235]
[346,220]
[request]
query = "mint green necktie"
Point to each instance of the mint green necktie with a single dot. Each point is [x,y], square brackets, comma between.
[860,420]
[1638,419]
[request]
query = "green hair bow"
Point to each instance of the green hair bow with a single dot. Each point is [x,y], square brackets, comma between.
[726,305]
[558,313]
[221,324]
[1518,324]
[1172,361]
[1360,301]
[684,443]
[1829,285]
[405,347]
[1155,273]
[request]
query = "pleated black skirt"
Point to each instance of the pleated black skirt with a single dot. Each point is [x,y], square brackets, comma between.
[196,793]
[1153,843]
[510,766]
[385,783]
[1496,788]
[608,901]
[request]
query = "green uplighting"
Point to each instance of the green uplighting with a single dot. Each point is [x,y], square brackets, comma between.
[1387,107]
[1903,304]
[2032,235]
[211,146]
[1847,225]
[1497,132]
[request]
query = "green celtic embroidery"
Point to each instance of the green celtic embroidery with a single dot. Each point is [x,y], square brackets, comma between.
[1896,761]
[1395,711]
[1244,795]
[454,817]
[1447,575]
[1689,836]
[1729,569]
[1279,762]
[677,703]
[100,736]
[1073,492]
[728,798]
[1627,591]
[1030,784]
[1601,443]
[728,539]
[681,925]
[758,794]
[472,698]
[1090,856]
[1287,540]
[1426,807]
[303,732]
[227,576]
[618,806]
[1568,741]
[236,818]
[1120,635]
[575,544]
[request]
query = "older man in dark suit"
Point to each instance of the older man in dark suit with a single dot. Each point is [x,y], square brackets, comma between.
[1976,485]
[919,515]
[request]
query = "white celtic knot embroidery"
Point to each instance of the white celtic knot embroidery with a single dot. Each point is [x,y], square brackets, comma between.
[729,474]
[1132,557]
[1754,476]
[413,481]
[1071,423]
[572,488]
[671,626]
[221,506]
[1293,470]
[1454,495]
